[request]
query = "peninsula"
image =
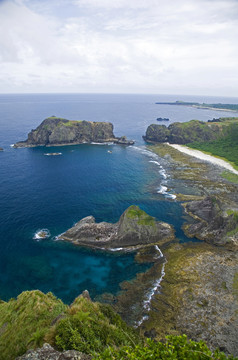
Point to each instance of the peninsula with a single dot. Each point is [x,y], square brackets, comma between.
[218,106]
[55,131]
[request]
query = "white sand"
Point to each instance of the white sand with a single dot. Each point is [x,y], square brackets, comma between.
[202,156]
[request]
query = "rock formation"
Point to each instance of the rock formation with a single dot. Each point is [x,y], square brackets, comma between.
[55,131]
[47,352]
[1,149]
[213,224]
[134,228]
[183,133]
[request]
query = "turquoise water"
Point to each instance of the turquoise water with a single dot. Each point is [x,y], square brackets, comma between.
[54,192]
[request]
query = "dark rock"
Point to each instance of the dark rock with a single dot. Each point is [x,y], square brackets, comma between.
[49,353]
[55,131]
[183,133]
[214,224]
[134,228]
[162,119]
[1,149]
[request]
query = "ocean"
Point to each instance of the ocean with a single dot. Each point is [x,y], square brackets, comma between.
[53,192]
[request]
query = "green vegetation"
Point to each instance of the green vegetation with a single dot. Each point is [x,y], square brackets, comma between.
[24,322]
[230,176]
[71,122]
[225,146]
[143,218]
[93,328]
[175,347]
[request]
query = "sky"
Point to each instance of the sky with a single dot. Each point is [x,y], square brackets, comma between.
[119,46]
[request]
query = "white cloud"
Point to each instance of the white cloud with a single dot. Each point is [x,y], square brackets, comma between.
[120,45]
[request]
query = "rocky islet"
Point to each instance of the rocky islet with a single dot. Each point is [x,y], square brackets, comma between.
[55,131]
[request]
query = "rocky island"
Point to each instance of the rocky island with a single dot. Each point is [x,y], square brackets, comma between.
[55,131]
[135,229]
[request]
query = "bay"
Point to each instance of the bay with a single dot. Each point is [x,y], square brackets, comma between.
[53,192]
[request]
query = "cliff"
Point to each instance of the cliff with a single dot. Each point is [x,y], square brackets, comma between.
[55,131]
[134,228]
[183,133]
[213,223]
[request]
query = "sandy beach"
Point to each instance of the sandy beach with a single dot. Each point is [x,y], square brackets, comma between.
[202,156]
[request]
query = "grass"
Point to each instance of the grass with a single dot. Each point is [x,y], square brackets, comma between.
[143,218]
[225,147]
[25,320]
[230,176]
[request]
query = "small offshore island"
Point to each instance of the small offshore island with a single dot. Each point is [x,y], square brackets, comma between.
[55,131]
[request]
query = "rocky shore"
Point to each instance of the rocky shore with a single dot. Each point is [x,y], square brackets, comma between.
[55,131]
[135,229]
[199,296]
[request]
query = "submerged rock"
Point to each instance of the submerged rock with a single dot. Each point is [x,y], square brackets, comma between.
[47,352]
[1,149]
[55,131]
[214,224]
[134,228]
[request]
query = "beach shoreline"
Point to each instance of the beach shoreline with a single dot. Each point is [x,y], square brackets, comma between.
[203,156]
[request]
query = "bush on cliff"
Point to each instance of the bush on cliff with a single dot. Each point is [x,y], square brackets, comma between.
[175,348]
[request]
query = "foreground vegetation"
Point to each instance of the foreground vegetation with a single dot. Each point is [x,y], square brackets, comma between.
[90,327]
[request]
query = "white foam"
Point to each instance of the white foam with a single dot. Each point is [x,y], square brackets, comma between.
[162,190]
[103,143]
[12,145]
[163,173]
[116,249]
[159,251]
[153,291]
[155,162]
[41,234]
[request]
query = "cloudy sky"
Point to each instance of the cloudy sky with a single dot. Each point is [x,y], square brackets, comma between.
[119,46]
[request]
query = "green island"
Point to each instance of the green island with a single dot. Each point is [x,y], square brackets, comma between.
[218,137]
[216,106]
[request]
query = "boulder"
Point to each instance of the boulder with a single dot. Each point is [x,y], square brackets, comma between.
[46,352]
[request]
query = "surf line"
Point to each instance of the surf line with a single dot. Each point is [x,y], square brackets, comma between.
[154,290]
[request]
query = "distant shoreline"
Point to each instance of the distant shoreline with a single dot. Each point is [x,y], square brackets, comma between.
[218,107]
[203,156]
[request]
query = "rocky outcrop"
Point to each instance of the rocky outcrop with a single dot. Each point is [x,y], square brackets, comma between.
[213,224]
[55,131]
[134,228]
[183,133]
[199,296]
[47,352]
[1,149]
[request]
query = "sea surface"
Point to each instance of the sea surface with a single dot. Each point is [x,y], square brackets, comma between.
[53,192]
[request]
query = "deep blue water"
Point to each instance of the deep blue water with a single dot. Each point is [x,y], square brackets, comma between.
[54,192]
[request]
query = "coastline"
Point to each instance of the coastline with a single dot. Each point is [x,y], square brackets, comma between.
[205,157]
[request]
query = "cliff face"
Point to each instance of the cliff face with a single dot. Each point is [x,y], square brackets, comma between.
[135,228]
[213,224]
[55,131]
[183,133]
